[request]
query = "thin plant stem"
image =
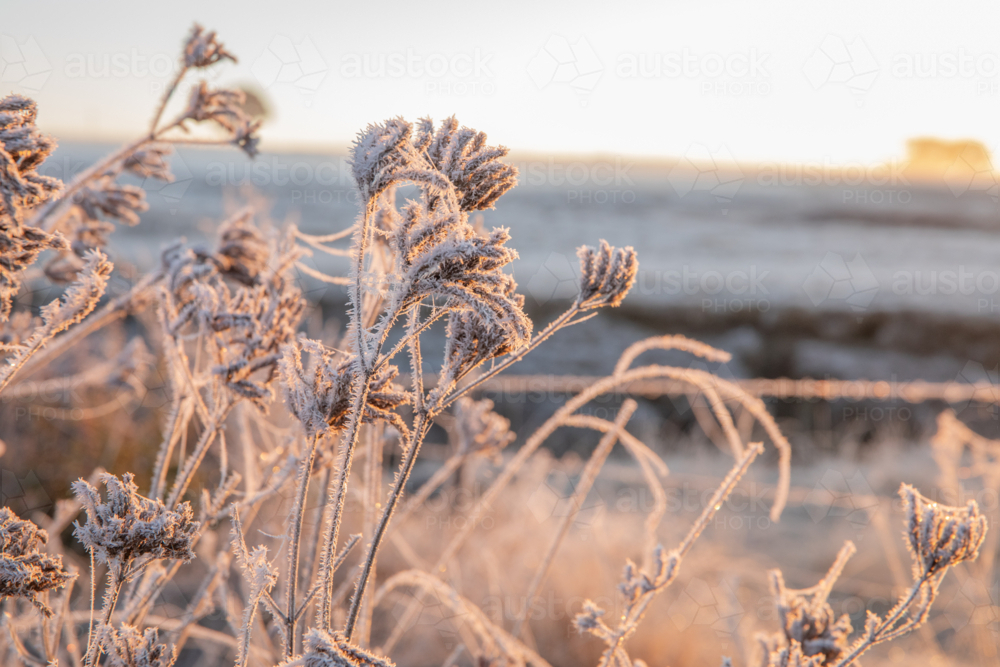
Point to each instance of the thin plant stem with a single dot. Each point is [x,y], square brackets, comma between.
[298,510]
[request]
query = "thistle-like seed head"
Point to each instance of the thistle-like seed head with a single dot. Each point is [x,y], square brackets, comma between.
[606,275]
[127,526]
[939,536]
[25,571]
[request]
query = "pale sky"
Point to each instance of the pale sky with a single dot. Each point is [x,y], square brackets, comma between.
[837,82]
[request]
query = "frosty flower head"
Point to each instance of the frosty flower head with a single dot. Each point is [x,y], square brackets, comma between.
[939,536]
[25,571]
[323,649]
[480,430]
[257,322]
[807,619]
[471,341]
[464,158]
[378,153]
[20,246]
[225,107]
[606,275]
[127,527]
[150,161]
[589,620]
[320,395]
[22,150]
[105,198]
[243,252]
[203,50]
[249,324]
[127,647]
[453,164]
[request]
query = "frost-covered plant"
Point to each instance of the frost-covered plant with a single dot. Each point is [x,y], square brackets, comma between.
[638,587]
[25,571]
[127,647]
[812,631]
[77,302]
[938,538]
[39,213]
[320,396]
[127,532]
[325,650]
[23,149]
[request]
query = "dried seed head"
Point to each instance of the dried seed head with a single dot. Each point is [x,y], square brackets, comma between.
[320,396]
[256,322]
[480,430]
[810,621]
[25,571]
[939,536]
[127,526]
[203,50]
[243,252]
[472,341]
[378,154]
[22,150]
[225,107]
[323,649]
[249,324]
[127,647]
[20,246]
[464,158]
[106,198]
[150,162]
[606,275]
[589,621]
